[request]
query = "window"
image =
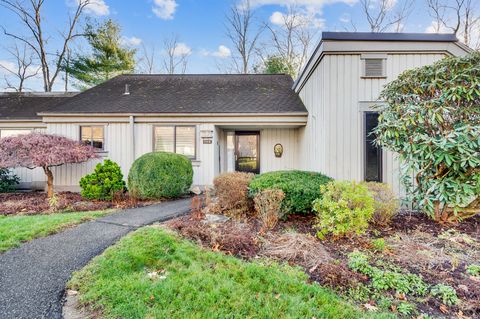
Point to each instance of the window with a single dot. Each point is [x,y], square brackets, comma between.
[373,153]
[13,132]
[175,139]
[93,136]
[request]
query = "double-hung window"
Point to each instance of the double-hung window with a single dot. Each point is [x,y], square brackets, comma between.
[175,139]
[93,136]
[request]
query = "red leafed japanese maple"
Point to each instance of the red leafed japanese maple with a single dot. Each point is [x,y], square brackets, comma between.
[42,150]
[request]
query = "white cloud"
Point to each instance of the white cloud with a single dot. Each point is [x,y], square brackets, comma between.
[306,3]
[222,52]
[131,42]
[97,7]
[6,65]
[307,18]
[182,49]
[436,27]
[164,9]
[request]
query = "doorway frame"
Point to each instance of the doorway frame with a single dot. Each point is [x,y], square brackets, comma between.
[240,133]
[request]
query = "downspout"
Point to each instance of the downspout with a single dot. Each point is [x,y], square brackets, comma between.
[132,137]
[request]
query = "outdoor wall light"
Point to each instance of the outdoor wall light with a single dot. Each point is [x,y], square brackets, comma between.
[278,150]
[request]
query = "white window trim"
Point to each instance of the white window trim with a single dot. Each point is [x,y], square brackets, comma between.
[195,157]
[97,150]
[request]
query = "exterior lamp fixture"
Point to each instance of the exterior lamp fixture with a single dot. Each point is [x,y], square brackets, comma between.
[278,150]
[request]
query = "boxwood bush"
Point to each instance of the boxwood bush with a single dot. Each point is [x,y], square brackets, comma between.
[104,182]
[160,175]
[301,188]
[8,181]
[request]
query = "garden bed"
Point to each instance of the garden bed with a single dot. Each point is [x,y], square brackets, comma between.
[415,252]
[31,203]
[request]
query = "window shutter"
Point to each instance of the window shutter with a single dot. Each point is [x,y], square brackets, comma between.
[374,67]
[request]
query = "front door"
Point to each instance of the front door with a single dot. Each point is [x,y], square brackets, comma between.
[247,152]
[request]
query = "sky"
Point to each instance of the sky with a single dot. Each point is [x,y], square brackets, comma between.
[198,24]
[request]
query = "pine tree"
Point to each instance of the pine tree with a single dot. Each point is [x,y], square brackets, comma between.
[108,58]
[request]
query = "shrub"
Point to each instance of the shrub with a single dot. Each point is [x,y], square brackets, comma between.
[232,193]
[301,188]
[268,207]
[8,181]
[104,182]
[473,270]
[447,294]
[431,120]
[386,204]
[344,209]
[160,175]
[379,244]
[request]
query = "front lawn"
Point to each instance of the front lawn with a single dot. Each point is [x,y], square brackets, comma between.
[154,274]
[15,230]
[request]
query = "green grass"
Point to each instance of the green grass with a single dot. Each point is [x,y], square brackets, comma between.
[199,284]
[14,230]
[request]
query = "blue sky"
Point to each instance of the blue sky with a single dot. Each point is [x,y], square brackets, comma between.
[199,24]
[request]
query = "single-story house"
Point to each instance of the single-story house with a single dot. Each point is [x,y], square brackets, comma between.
[253,123]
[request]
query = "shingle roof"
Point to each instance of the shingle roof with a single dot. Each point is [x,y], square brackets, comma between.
[18,106]
[188,94]
[380,36]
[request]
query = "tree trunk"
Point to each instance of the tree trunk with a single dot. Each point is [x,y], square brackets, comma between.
[49,174]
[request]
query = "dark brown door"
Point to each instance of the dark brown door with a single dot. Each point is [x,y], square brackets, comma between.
[247,152]
[373,153]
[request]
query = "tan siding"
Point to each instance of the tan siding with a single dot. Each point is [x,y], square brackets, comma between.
[289,139]
[332,140]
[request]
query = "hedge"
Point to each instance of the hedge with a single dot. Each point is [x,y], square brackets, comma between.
[160,175]
[301,188]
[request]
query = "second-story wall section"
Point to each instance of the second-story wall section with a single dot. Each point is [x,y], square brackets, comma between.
[338,97]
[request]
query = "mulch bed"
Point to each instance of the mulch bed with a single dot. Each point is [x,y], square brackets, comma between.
[32,203]
[438,253]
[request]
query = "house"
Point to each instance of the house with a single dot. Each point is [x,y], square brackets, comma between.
[19,115]
[253,123]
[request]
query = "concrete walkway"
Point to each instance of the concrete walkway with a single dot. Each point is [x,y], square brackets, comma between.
[33,276]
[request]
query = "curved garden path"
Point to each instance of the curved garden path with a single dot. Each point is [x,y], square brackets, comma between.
[33,276]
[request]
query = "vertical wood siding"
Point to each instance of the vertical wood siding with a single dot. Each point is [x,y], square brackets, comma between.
[332,141]
[288,137]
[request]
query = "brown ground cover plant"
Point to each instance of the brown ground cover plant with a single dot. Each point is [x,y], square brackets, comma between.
[268,207]
[231,237]
[31,203]
[295,248]
[232,193]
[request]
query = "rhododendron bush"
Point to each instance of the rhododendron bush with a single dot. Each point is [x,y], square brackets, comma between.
[42,150]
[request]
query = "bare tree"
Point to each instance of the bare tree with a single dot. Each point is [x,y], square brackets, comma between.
[147,59]
[384,15]
[23,69]
[292,38]
[244,35]
[461,17]
[177,55]
[31,16]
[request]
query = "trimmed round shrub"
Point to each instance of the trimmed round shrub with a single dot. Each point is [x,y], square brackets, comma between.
[301,188]
[104,182]
[345,209]
[160,175]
